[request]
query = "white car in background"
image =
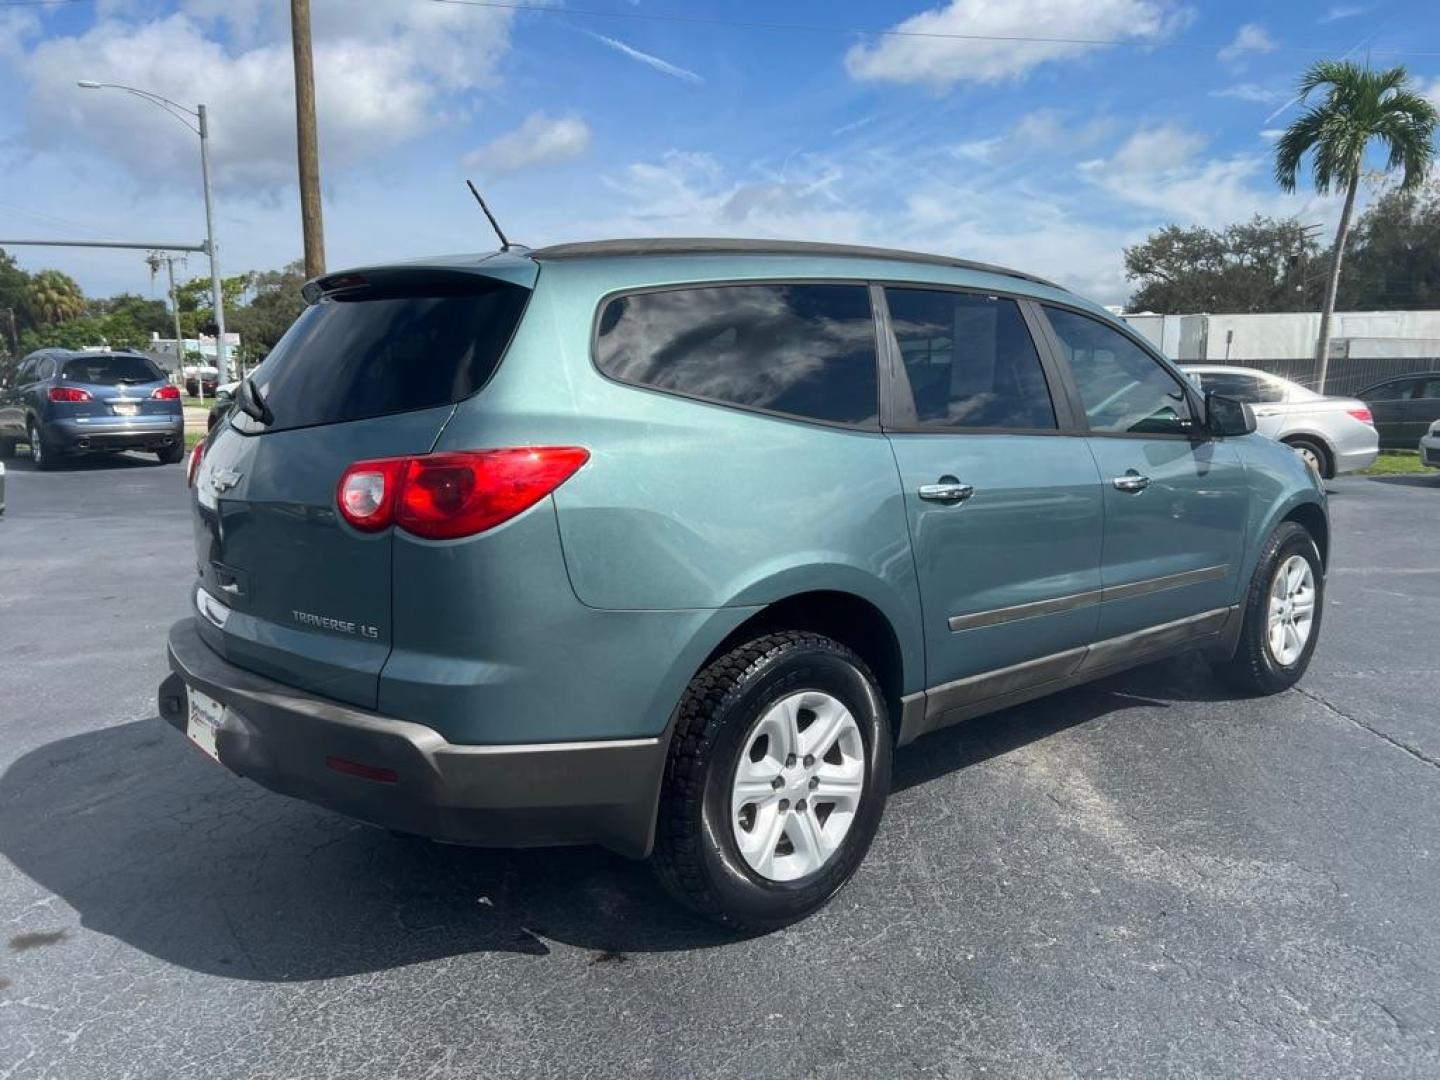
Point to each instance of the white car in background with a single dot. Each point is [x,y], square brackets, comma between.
[1333,434]
[1430,446]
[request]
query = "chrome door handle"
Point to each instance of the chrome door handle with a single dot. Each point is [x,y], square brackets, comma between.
[949,491]
[1131,481]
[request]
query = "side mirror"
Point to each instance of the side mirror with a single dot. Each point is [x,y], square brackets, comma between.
[1226,416]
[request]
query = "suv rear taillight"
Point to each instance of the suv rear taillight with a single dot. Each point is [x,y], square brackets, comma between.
[446,495]
[166,393]
[68,393]
[1363,415]
[192,467]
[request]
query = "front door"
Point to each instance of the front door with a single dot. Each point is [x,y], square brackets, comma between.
[1176,500]
[1003,499]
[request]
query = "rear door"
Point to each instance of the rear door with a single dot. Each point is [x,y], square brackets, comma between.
[1003,499]
[1388,404]
[371,369]
[1422,407]
[1176,500]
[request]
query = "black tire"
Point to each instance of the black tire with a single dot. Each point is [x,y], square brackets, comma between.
[171,455]
[1254,668]
[42,451]
[1326,466]
[696,854]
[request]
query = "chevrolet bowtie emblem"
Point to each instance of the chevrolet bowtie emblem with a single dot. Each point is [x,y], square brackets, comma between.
[224,479]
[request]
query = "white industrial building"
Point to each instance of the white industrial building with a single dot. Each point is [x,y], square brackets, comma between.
[1365,346]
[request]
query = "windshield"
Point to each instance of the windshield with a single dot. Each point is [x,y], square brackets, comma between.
[110,370]
[373,352]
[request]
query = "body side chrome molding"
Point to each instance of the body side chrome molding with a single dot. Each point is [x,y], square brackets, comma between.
[996,616]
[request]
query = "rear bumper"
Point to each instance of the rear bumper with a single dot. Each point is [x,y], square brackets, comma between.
[532,795]
[115,433]
[1354,459]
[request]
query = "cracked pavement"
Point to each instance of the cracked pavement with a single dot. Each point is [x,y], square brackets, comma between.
[1139,878]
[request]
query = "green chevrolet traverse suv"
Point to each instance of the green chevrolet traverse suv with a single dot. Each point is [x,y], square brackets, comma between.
[668,545]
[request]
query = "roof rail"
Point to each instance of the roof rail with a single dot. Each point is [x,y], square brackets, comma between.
[599,249]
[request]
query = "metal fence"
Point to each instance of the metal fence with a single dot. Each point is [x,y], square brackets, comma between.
[1347,375]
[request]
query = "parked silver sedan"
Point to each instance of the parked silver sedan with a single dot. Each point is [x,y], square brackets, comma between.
[1333,434]
[1430,446]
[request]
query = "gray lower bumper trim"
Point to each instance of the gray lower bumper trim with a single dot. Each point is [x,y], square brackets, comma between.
[523,795]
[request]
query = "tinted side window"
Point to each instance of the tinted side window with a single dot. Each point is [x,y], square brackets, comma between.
[1428,389]
[1123,388]
[804,350]
[1242,387]
[1398,390]
[970,360]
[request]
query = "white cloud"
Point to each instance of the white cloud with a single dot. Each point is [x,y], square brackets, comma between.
[949,57]
[1433,93]
[1255,92]
[538,141]
[1342,11]
[1049,131]
[1250,40]
[662,66]
[1154,149]
[387,71]
[1161,172]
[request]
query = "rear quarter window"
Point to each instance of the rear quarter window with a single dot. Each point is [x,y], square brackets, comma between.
[371,352]
[802,350]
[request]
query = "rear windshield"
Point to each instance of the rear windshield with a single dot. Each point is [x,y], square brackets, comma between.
[110,370]
[372,352]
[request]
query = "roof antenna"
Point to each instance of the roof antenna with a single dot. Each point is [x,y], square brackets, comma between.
[505,245]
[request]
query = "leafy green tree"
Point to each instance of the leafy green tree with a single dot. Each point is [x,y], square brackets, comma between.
[275,305]
[197,309]
[1361,106]
[14,314]
[53,297]
[1258,265]
[1393,262]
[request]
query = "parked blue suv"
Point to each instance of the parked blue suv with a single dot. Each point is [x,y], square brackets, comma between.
[64,402]
[667,545]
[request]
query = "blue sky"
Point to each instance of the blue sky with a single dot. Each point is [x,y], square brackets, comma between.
[1047,155]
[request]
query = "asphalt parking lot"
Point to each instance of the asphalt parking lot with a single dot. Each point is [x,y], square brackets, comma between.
[1141,878]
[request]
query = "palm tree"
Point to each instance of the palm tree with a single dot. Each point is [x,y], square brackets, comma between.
[1360,106]
[54,297]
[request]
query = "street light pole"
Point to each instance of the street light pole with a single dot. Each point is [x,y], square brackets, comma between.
[200,127]
[222,366]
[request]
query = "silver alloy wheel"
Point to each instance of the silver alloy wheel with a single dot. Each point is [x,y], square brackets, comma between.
[35,451]
[1311,459]
[1292,610]
[797,786]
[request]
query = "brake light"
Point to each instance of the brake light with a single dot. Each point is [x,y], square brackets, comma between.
[68,393]
[192,467]
[1363,415]
[166,393]
[447,495]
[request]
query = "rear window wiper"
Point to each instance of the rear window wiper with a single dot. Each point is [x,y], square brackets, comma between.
[249,400]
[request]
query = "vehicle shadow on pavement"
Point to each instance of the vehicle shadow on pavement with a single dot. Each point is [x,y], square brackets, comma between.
[21,463]
[1185,678]
[1420,480]
[153,844]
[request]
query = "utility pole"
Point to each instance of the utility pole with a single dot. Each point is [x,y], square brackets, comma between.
[311,221]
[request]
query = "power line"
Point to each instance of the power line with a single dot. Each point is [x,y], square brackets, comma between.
[817,28]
